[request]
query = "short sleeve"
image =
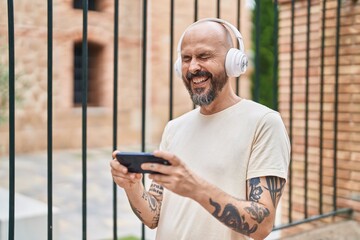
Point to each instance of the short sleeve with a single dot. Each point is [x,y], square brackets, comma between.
[270,150]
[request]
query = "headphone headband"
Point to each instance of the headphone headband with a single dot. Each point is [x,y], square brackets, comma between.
[233,29]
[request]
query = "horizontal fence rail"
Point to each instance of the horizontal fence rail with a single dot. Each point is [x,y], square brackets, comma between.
[144,88]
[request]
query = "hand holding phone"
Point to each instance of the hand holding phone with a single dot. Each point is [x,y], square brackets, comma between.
[133,161]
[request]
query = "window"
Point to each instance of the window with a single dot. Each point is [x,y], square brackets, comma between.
[94,82]
[92,5]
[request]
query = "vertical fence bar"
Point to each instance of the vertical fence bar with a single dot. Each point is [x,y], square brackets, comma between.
[50,119]
[196,11]
[218,8]
[11,39]
[143,108]
[115,107]
[275,71]
[238,16]
[196,5]
[256,96]
[171,77]
[336,102]
[84,116]
[291,105]
[321,127]
[306,160]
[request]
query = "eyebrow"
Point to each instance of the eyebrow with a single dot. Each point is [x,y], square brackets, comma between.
[200,52]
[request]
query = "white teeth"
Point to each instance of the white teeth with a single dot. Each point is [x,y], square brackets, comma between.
[197,81]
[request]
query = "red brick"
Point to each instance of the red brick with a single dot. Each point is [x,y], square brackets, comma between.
[355,175]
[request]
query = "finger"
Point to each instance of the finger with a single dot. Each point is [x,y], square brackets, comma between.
[128,176]
[156,167]
[160,179]
[114,153]
[122,182]
[114,164]
[173,159]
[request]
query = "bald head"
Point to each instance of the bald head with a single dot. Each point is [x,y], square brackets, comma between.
[209,29]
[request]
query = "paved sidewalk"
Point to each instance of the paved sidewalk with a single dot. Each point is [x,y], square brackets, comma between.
[31,181]
[344,230]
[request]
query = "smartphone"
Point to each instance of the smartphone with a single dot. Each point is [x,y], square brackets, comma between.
[133,161]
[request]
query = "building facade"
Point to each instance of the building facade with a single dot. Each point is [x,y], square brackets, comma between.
[31,70]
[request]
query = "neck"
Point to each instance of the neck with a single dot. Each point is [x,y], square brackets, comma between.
[222,101]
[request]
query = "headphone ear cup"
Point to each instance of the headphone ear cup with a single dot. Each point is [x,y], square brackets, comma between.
[177,67]
[235,63]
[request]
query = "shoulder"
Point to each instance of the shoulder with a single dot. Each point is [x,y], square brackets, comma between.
[256,113]
[256,109]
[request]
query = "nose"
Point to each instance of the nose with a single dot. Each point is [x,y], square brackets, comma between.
[194,66]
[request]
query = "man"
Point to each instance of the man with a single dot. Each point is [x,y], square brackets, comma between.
[229,158]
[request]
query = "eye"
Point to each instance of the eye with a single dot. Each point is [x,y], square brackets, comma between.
[204,56]
[186,58]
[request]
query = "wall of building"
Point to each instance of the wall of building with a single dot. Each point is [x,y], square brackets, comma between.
[31,70]
[348,151]
[31,67]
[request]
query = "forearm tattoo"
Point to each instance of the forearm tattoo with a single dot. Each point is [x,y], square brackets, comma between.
[257,212]
[231,217]
[151,201]
[275,186]
[137,212]
[153,208]
[156,189]
[154,205]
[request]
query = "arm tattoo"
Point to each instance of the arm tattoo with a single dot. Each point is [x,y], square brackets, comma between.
[257,212]
[156,189]
[231,218]
[155,220]
[154,205]
[137,212]
[275,185]
[151,200]
[255,190]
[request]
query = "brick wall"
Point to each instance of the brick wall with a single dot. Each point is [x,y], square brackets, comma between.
[348,144]
[31,67]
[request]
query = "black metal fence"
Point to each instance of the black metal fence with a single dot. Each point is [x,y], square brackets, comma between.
[12,136]
[335,211]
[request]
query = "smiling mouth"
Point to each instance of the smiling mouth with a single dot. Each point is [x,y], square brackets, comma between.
[198,81]
[198,78]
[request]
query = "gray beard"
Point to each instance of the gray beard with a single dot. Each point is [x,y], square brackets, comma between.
[203,99]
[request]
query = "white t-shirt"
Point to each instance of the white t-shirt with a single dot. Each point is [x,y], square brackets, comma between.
[244,141]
